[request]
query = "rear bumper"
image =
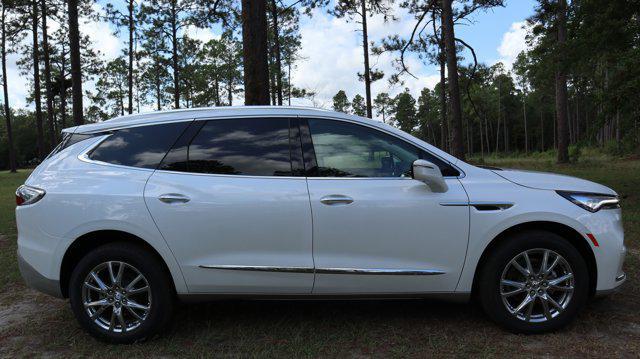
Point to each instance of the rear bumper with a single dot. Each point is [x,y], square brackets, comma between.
[37,281]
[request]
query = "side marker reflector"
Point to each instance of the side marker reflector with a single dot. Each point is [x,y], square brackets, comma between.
[593,239]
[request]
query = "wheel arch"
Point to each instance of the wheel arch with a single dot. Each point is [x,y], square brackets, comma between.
[570,234]
[89,241]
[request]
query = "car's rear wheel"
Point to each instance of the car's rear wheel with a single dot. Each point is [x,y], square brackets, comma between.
[534,282]
[120,293]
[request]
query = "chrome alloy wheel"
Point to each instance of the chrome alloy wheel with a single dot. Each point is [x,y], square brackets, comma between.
[537,285]
[116,296]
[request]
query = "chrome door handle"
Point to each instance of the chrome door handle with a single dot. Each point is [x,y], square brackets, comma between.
[336,199]
[173,198]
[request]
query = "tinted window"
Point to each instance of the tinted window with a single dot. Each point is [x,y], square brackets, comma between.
[138,146]
[343,149]
[252,146]
[347,150]
[69,139]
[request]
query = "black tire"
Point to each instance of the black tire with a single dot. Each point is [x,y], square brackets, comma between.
[488,285]
[161,292]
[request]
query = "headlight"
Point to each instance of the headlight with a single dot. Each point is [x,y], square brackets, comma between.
[592,202]
[28,195]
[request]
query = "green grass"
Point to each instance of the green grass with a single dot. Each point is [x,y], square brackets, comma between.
[607,327]
[8,265]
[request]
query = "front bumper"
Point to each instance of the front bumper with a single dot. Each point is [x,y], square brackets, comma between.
[37,281]
[619,281]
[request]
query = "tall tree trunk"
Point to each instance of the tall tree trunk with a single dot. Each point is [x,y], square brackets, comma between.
[121,98]
[174,55]
[254,50]
[561,85]
[444,132]
[276,51]
[524,115]
[47,75]
[272,77]
[216,87]
[499,115]
[36,79]
[76,69]
[365,49]
[541,131]
[5,90]
[130,70]
[289,82]
[63,92]
[158,90]
[457,145]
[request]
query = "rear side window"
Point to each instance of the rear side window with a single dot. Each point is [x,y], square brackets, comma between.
[138,146]
[250,146]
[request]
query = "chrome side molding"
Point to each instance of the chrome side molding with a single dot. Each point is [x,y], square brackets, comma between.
[261,268]
[379,271]
[480,205]
[363,271]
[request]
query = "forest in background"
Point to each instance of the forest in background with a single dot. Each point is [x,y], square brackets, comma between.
[575,86]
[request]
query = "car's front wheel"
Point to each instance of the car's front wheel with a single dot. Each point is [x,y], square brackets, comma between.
[534,282]
[120,293]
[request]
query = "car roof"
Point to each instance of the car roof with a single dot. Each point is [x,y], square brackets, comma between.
[203,113]
[243,111]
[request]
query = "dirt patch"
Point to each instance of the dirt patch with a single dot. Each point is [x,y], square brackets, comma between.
[17,313]
[20,304]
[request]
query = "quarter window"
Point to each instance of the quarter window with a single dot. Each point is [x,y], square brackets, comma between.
[138,146]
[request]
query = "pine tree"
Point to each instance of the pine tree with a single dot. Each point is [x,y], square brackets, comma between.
[341,102]
[358,106]
[360,11]
[405,111]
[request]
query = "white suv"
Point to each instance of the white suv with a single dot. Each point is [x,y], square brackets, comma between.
[263,202]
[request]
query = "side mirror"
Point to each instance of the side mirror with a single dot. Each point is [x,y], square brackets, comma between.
[430,174]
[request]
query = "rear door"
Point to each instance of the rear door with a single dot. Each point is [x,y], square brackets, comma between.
[231,200]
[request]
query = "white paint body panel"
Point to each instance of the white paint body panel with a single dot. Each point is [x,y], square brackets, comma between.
[279,222]
[391,224]
[236,220]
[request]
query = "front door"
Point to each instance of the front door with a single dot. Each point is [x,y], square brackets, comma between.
[375,229]
[234,209]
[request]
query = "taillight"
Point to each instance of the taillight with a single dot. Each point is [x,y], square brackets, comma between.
[28,195]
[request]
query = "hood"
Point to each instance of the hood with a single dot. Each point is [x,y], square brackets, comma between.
[551,181]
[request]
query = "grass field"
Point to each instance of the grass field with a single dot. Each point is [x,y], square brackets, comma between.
[33,324]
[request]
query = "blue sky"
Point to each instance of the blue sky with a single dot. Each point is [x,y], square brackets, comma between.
[486,33]
[332,54]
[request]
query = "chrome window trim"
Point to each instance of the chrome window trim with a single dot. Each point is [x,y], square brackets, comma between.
[462,173]
[84,156]
[231,176]
[358,271]
[138,125]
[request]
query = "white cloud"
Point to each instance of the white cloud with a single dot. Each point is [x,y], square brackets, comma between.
[513,43]
[101,35]
[332,57]
[203,35]
[18,83]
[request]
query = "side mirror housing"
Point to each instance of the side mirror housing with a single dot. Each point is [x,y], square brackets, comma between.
[429,173]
